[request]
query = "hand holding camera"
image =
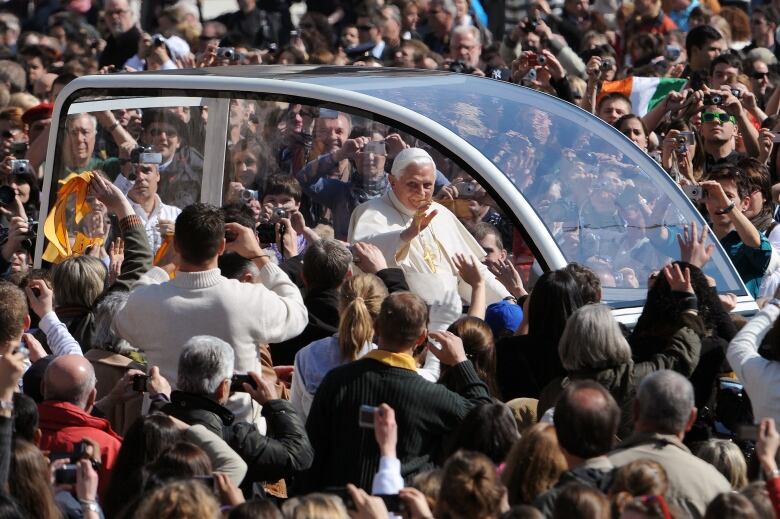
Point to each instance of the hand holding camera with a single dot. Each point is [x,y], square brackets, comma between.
[262,391]
[242,241]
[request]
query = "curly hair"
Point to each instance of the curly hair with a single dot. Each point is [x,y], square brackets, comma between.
[187,499]
[470,487]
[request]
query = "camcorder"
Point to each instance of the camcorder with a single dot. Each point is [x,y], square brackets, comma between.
[141,155]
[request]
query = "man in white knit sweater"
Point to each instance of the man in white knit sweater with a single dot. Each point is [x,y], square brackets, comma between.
[162,314]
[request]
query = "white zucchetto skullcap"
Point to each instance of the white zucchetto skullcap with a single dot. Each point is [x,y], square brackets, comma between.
[408,157]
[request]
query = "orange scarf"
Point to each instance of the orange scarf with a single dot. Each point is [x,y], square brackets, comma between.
[55,229]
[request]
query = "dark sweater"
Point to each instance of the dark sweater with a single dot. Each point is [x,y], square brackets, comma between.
[425,413]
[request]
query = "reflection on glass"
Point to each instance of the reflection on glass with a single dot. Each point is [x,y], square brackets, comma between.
[605,202]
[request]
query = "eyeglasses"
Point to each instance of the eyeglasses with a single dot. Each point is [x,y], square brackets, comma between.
[709,117]
[156,132]
[365,27]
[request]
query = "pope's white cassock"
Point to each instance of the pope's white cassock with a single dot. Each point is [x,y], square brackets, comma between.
[427,259]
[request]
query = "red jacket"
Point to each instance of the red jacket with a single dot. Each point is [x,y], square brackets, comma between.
[773,486]
[63,425]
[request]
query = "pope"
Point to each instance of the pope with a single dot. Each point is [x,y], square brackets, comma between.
[422,237]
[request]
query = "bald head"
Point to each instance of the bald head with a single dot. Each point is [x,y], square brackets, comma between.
[42,86]
[586,419]
[71,379]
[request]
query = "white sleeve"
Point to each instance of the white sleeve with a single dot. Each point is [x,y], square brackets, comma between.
[61,342]
[388,478]
[153,276]
[743,355]
[290,314]
[223,458]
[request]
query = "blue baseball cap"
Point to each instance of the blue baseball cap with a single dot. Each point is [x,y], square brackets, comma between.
[504,316]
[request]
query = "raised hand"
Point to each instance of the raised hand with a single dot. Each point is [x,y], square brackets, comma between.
[468,269]
[507,275]
[679,281]
[116,255]
[422,219]
[369,257]
[451,352]
[386,430]
[40,296]
[694,248]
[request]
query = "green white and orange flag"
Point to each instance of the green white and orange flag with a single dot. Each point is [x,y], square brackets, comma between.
[644,92]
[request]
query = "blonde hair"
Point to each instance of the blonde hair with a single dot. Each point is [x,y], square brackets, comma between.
[533,465]
[360,299]
[725,456]
[78,281]
[188,499]
[23,100]
[315,506]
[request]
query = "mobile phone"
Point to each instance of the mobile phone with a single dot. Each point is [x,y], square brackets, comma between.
[237,383]
[433,343]
[66,474]
[366,416]
[141,383]
[747,432]
[329,113]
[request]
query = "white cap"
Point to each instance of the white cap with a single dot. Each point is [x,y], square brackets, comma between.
[408,157]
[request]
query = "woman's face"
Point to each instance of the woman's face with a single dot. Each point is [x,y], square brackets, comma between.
[632,129]
[22,190]
[244,166]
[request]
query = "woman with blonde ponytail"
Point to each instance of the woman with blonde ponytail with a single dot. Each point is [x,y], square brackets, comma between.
[360,298]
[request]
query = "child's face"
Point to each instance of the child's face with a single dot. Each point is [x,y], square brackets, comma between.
[286,202]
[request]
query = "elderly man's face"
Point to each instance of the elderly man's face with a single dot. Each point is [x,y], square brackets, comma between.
[465,47]
[415,186]
[332,133]
[118,17]
[81,133]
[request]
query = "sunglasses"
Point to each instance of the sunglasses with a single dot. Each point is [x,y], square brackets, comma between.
[365,27]
[759,75]
[708,117]
[156,132]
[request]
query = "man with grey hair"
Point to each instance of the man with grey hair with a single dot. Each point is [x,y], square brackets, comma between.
[466,47]
[64,415]
[122,42]
[441,18]
[423,238]
[664,411]
[204,384]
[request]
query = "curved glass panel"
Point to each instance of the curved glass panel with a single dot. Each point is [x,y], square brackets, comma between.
[607,204]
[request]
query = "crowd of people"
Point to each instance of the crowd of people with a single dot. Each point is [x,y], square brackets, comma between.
[360,330]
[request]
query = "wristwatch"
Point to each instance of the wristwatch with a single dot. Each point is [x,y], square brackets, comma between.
[726,209]
[90,506]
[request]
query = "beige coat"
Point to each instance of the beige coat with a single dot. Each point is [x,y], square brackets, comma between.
[693,482]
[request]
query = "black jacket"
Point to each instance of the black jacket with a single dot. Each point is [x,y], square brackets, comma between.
[281,454]
[597,473]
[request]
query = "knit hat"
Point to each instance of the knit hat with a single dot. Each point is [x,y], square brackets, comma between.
[503,316]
